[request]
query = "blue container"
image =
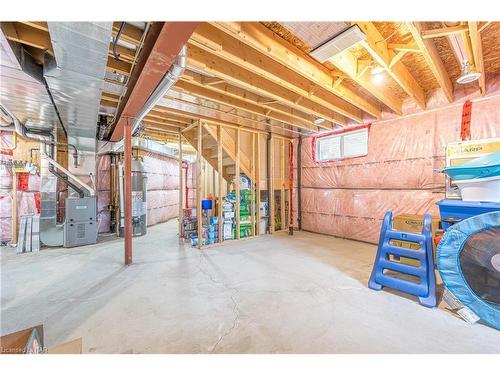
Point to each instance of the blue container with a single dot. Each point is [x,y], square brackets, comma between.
[484,166]
[206,204]
[455,210]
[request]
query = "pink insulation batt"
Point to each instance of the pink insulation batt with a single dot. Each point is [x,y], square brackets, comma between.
[348,198]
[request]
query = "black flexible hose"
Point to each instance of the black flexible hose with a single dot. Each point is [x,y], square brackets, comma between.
[116,39]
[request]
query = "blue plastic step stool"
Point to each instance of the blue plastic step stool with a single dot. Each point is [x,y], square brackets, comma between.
[425,290]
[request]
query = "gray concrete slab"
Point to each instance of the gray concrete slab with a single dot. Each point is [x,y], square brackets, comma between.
[273,294]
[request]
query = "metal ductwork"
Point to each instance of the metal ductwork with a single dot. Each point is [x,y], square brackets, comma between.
[170,78]
[75,77]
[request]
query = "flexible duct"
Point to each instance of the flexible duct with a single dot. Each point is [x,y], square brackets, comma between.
[170,78]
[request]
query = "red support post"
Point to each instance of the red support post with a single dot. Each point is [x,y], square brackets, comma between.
[127,141]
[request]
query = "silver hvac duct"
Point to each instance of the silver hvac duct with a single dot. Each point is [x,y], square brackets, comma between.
[170,78]
[75,77]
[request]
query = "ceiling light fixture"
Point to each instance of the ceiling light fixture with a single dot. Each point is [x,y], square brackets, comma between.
[468,74]
[377,69]
[319,120]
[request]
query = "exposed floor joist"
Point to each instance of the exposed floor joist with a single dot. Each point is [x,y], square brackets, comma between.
[348,63]
[376,45]
[237,75]
[272,45]
[226,46]
[432,58]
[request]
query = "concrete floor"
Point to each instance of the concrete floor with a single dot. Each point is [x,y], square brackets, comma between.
[274,294]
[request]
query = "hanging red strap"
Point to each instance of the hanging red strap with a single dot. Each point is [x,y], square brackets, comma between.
[466,115]
[290,152]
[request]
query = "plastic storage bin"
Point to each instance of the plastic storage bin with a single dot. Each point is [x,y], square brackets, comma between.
[480,189]
[455,210]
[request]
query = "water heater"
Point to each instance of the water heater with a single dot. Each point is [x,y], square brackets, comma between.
[139,205]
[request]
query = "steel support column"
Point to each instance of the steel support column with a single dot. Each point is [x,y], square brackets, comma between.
[127,183]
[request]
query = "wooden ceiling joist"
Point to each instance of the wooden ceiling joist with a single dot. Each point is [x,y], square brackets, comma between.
[432,58]
[477,50]
[226,46]
[24,34]
[130,33]
[247,96]
[348,63]
[193,111]
[272,45]
[217,97]
[237,75]
[444,31]
[376,45]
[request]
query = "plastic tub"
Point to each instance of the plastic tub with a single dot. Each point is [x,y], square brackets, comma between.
[455,210]
[206,204]
[480,189]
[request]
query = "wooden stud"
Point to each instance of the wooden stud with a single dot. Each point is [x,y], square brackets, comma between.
[271,186]
[252,186]
[257,181]
[15,215]
[477,50]
[220,177]
[282,184]
[199,184]
[432,58]
[237,182]
[181,187]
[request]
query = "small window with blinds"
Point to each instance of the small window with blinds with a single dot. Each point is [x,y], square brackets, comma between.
[347,144]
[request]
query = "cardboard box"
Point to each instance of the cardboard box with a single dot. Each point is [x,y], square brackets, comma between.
[412,224]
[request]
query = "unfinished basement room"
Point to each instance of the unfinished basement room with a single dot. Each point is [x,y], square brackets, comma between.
[250,187]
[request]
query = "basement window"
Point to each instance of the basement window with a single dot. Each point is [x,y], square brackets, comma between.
[341,145]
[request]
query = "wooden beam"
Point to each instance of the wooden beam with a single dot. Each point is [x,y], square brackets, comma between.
[220,178]
[400,47]
[230,48]
[181,188]
[376,45]
[250,97]
[271,186]
[118,66]
[282,184]
[130,33]
[443,31]
[477,50]
[432,58]
[199,184]
[21,33]
[211,115]
[244,78]
[237,183]
[484,25]
[347,62]
[272,45]
[252,185]
[207,93]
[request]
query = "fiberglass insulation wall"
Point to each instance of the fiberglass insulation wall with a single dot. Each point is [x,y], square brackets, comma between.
[348,198]
[162,188]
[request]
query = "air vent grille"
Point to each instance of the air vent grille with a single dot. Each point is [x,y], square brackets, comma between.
[339,43]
